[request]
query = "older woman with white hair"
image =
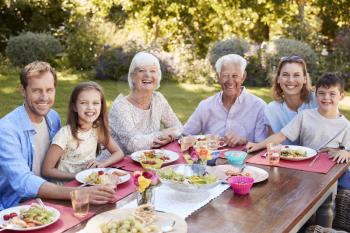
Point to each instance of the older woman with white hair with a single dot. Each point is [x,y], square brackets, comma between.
[233,113]
[136,119]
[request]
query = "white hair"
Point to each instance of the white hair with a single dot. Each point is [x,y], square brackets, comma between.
[143,59]
[232,59]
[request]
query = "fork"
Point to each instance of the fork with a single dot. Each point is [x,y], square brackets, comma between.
[314,160]
[41,203]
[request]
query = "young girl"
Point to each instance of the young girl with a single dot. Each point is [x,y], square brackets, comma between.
[75,146]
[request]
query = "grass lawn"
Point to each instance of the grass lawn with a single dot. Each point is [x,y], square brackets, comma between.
[182,97]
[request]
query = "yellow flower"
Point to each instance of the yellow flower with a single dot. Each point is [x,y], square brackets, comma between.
[143,183]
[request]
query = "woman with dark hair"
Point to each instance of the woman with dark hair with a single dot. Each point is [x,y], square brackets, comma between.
[292,93]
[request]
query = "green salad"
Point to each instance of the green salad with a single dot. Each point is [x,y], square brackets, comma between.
[170,174]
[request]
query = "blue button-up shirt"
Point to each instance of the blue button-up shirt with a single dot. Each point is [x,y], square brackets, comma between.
[17,132]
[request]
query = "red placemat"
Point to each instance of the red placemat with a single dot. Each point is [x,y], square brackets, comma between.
[241,148]
[123,189]
[67,219]
[322,165]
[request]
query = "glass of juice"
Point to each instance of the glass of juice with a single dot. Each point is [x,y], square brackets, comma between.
[274,153]
[213,141]
[80,202]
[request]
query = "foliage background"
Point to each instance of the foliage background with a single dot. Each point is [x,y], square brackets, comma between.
[182,32]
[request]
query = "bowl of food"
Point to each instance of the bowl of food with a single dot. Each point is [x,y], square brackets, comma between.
[235,157]
[188,177]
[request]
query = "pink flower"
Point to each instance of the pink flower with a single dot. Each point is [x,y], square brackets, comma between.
[194,156]
[136,177]
[155,180]
[148,174]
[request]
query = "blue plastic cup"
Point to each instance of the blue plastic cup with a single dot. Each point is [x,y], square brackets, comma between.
[236,157]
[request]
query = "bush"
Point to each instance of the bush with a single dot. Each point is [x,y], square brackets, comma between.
[28,47]
[255,73]
[272,52]
[83,45]
[337,59]
[113,63]
[221,48]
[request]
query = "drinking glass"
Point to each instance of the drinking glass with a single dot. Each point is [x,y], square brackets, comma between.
[213,141]
[80,202]
[274,153]
[186,143]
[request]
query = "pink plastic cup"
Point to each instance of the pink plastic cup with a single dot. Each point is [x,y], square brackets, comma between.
[241,185]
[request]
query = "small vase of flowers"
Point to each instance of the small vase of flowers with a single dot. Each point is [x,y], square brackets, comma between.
[145,182]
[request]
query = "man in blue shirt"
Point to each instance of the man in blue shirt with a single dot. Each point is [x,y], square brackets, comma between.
[25,134]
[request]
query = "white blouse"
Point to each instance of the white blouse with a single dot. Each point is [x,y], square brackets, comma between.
[134,128]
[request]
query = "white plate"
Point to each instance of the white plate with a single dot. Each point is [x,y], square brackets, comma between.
[203,137]
[17,211]
[83,174]
[93,225]
[309,152]
[257,173]
[173,156]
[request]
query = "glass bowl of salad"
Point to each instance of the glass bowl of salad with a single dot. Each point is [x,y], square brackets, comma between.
[188,178]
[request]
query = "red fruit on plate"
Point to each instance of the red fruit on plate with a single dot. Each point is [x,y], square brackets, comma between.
[12,215]
[6,217]
[100,173]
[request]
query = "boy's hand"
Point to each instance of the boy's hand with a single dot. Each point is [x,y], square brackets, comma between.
[341,156]
[251,147]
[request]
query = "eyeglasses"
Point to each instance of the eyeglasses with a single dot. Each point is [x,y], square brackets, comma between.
[291,58]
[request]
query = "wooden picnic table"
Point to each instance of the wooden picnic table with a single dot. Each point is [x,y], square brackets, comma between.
[283,203]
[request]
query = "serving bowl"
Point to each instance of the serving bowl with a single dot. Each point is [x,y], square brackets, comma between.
[188,170]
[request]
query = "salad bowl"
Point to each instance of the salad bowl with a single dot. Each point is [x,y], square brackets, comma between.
[188,178]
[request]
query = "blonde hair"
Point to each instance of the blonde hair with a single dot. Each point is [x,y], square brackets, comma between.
[277,92]
[35,69]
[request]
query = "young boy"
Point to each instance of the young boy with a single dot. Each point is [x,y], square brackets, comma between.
[322,128]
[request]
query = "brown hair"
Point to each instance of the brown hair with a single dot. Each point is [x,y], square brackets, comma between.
[101,123]
[277,92]
[330,80]
[35,69]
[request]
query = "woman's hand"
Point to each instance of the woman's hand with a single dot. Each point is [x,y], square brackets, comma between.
[232,140]
[161,141]
[101,194]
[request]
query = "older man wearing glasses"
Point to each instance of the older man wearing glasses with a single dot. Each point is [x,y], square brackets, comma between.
[233,113]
